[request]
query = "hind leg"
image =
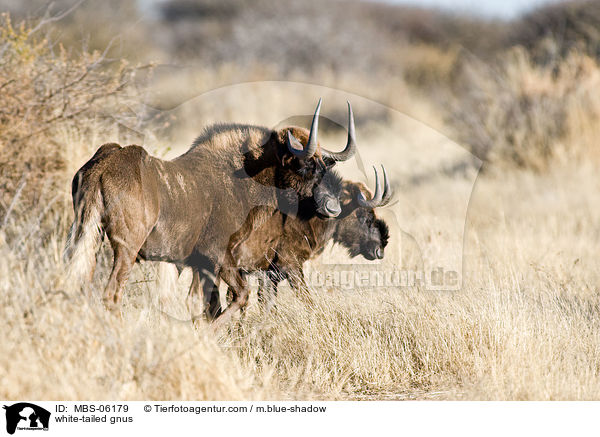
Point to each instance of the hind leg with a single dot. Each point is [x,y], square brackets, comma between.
[125,255]
[193,296]
[94,261]
[210,292]
[124,259]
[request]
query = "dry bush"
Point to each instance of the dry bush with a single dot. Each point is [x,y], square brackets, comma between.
[525,114]
[557,29]
[289,36]
[428,26]
[59,345]
[428,67]
[45,93]
[311,36]
[88,26]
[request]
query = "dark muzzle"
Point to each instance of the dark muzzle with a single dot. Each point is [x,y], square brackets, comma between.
[331,208]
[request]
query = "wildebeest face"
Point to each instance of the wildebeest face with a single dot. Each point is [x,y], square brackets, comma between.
[364,234]
[304,173]
[373,234]
[361,232]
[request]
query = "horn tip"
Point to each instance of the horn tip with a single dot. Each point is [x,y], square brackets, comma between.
[318,110]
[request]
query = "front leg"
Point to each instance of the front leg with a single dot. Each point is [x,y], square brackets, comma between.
[234,278]
[193,297]
[295,275]
[212,298]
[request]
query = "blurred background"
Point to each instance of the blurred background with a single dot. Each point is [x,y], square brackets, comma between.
[467,69]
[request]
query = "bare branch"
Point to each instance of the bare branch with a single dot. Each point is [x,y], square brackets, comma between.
[51,19]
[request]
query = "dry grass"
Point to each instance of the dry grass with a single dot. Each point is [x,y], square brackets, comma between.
[524,326]
[521,113]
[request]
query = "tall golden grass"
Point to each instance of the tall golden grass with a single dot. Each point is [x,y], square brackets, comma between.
[524,326]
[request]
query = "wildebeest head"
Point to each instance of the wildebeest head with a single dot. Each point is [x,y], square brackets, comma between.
[360,230]
[305,163]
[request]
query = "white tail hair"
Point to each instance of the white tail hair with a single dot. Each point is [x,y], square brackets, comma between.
[84,239]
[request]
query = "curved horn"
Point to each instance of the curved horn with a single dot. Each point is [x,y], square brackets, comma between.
[350,148]
[387,192]
[376,200]
[311,145]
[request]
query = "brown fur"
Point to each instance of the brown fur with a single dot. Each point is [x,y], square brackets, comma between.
[186,211]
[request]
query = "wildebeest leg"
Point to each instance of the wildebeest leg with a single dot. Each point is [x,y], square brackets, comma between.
[204,274]
[124,259]
[93,261]
[210,291]
[194,293]
[255,218]
[212,299]
[296,279]
[232,295]
[233,277]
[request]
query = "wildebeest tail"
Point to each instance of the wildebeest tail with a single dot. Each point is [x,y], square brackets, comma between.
[85,233]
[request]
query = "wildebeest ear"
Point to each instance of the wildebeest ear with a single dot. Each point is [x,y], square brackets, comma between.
[348,198]
[351,192]
[284,155]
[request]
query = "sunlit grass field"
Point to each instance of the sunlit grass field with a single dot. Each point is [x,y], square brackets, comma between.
[525,324]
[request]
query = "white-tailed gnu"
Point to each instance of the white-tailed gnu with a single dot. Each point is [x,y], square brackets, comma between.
[189,210]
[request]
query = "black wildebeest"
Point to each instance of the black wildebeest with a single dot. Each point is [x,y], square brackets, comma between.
[283,243]
[187,210]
